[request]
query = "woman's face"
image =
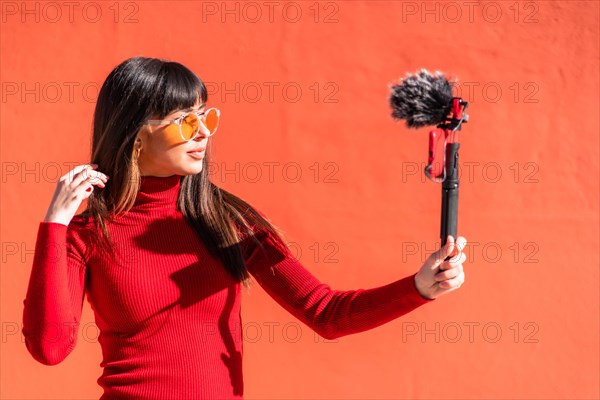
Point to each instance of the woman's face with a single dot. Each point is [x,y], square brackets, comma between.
[163,151]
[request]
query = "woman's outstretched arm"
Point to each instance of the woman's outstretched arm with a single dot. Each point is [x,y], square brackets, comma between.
[335,313]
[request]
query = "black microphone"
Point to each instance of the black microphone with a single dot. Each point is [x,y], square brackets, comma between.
[424,99]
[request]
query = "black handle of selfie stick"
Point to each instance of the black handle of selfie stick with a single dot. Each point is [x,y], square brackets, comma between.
[449,223]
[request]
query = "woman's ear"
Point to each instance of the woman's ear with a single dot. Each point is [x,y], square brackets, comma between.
[141,137]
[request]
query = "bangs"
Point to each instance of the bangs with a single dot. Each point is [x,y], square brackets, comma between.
[177,88]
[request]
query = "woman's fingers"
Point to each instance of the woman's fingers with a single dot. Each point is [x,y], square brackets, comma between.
[459,246]
[456,255]
[449,273]
[95,176]
[83,172]
[72,188]
[453,283]
[78,178]
[70,176]
[88,177]
[436,276]
[453,262]
[461,242]
[439,256]
[84,177]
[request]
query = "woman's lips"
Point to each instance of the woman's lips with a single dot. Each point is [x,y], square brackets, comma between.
[198,155]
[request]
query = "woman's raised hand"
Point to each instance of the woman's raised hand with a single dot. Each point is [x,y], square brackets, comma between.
[437,277]
[72,188]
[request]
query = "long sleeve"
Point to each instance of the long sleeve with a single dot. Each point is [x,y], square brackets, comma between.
[54,299]
[330,313]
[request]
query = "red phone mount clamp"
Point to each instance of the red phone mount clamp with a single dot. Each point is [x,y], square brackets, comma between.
[448,129]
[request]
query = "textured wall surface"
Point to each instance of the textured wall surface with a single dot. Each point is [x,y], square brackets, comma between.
[306,137]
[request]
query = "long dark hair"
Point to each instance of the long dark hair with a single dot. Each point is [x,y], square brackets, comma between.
[135,90]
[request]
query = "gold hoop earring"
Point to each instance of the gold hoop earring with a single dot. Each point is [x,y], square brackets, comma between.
[136,154]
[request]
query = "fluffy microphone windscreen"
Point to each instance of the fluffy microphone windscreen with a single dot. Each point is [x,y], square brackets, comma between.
[421,99]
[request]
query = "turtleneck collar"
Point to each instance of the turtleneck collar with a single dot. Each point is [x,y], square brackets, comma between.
[158,192]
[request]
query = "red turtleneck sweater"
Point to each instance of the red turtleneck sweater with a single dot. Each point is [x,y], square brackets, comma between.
[167,311]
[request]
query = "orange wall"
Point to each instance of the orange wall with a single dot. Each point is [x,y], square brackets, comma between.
[524,325]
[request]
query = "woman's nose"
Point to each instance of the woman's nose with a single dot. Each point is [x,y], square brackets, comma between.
[202,131]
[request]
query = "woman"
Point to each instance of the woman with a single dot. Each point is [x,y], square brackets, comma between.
[161,252]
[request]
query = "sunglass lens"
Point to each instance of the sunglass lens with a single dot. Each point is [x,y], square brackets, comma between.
[211,120]
[189,126]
